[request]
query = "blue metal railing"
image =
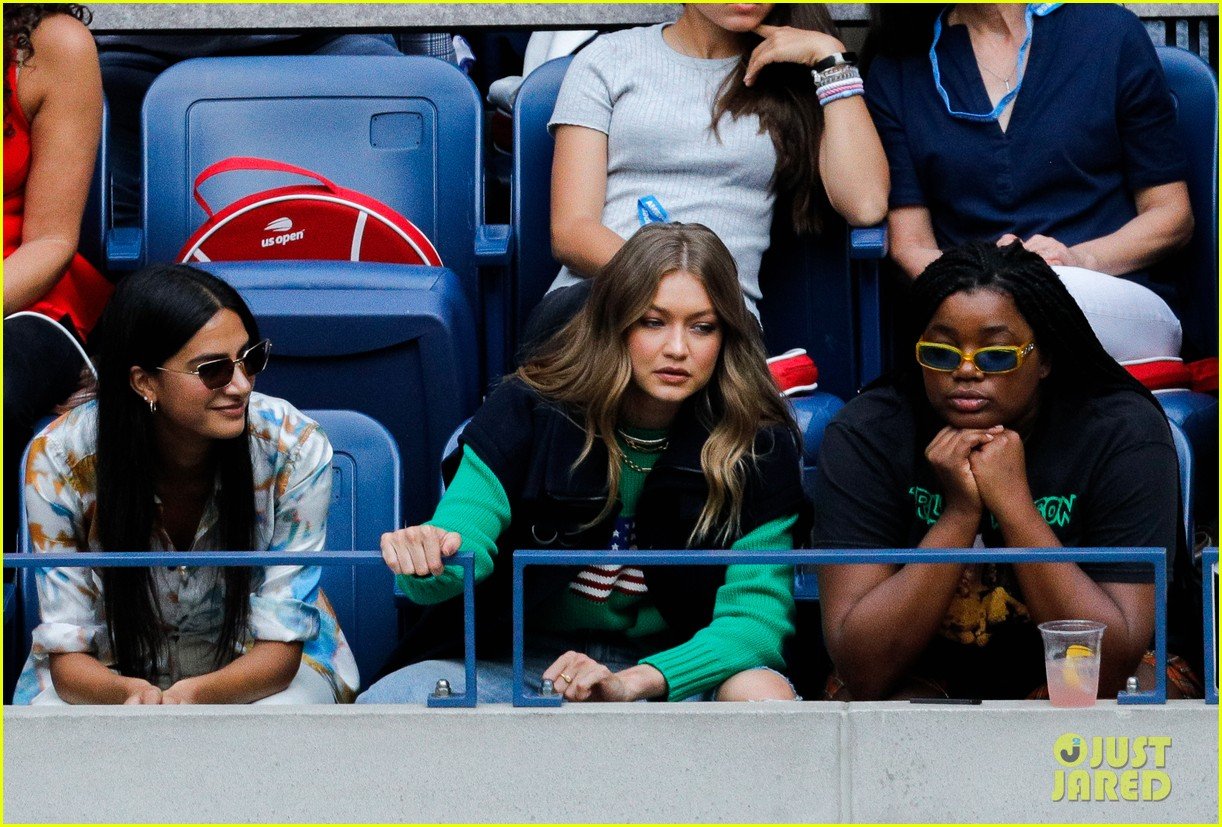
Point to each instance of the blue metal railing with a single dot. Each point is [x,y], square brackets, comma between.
[1209,603]
[1154,557]
[133,559]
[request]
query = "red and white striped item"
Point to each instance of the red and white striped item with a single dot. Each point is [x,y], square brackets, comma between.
[322,221]
[1163,374]
[598,582]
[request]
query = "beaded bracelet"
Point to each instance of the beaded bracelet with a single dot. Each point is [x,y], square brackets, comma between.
[840,90]
[848,93]
[838,82]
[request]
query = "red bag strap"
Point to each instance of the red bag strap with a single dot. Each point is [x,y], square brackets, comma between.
[239,162]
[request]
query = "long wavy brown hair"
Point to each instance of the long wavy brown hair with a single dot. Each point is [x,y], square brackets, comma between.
[784,99]
[20,21]
[586,365]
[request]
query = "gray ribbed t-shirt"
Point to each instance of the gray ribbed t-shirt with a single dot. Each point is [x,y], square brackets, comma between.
[655,106]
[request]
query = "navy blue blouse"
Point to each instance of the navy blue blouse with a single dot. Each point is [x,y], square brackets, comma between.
[1092,124]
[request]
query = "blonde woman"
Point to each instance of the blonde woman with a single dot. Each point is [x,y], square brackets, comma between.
[648,421]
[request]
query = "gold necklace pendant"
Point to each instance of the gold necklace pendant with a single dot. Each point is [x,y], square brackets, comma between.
[640,469]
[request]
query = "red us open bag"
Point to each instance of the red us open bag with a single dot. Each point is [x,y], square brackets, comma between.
[320,221]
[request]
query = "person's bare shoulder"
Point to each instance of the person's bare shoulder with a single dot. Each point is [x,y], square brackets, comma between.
[62,41]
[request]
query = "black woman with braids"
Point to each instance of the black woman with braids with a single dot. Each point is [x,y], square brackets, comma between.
[1012,427]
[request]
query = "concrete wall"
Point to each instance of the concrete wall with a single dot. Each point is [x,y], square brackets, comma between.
[642,762]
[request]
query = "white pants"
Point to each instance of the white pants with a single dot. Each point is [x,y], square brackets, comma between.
[1132,322]
[307,687]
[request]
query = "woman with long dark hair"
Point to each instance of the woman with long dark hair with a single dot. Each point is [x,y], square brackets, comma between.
[717,117]
[1012,427]
[52,295]
[178,453]
[649,421]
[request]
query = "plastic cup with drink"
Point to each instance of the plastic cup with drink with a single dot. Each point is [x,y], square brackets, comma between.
[1071,659]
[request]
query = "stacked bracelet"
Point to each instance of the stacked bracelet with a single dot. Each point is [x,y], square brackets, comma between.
[840,81]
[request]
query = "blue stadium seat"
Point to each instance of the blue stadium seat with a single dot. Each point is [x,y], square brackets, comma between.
[396,343]
[364,503]
[1194,270]
[821,294]
[451,446]
[404,130]
[96,219]
[126,76]
[1196,416]
[1184,456]
[530,208]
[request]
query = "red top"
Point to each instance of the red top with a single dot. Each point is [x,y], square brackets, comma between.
[81,292]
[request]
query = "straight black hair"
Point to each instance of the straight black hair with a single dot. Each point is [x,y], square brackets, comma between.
[151,316]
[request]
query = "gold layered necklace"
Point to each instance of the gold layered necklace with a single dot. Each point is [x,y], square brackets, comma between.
[642,446]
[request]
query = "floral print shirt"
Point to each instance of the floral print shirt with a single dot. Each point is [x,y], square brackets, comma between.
[291,458]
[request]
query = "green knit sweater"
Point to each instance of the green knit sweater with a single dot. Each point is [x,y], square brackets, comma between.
[752,615]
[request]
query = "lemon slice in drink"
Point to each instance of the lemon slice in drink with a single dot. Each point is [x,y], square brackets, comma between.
[1069,669]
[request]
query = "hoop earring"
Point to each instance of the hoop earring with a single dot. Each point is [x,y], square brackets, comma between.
[152,406]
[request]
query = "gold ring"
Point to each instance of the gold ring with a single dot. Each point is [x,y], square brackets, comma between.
[565,678]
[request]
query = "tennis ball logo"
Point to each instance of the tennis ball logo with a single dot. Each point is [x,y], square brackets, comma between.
[1070,750]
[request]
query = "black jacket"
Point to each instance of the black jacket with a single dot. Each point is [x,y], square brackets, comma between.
[531,443]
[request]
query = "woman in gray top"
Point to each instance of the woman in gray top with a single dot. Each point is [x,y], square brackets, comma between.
[714,116]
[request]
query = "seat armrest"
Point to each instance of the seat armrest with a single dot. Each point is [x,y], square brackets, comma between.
[868,242]
[492,244]
[124,248]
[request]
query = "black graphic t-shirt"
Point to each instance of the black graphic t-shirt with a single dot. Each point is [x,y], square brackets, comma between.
[1102,472]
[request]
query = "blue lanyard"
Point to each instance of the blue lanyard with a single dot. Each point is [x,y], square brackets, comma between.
[649,210]
[1033,9]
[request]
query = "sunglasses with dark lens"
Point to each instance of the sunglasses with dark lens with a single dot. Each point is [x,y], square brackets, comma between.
[997,359]
[217,373]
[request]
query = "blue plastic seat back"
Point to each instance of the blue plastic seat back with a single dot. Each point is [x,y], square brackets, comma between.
[810,301]
[404,130]
[95,221]
[1194,422]
[813,413]
[126,77]
[530,188]
[1185,458]
[1194,269]
[450,447]
[394,342]
[364,504]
